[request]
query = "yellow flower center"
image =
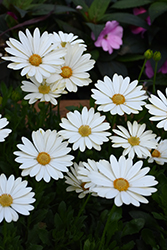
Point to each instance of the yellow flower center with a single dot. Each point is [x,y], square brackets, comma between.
[66,72]
[35,60]
[133,140]
[83,186]
[84,130]
[44,89]
[121,184]
[6,200]
[156,153]
[118,99]
[43,158]
[63,44]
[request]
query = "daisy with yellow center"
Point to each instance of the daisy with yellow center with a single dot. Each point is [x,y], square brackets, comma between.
[34,54]
[61,40]
[75,184]
[123,181]
[85,129]
[15,198]
[74,70]
[158,109]
[46,157]
[119,96]
[44,92]
[159,155]
[134,140]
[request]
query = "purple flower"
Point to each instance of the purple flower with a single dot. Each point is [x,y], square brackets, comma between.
[135,29]
[150,72]
[111,37]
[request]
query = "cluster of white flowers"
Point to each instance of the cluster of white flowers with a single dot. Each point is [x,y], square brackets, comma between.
[55,64]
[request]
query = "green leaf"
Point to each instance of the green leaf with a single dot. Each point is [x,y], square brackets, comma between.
[128,246]
[148,237]
[109,68]
[134,226]
[96,28]
[130,4]
[44,9]
[34,247]
[125,18]
[156,9]
[130,58]
[97,9]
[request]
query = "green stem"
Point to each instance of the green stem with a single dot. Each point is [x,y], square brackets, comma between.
[142,69]
[58,109]
[114,121]
[105,228]
[154,79]
[83,207]
[4,234]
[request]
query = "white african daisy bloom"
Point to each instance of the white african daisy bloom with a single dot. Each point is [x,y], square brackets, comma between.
[74,70]
[119,96]
[45,92]
[158,108]
[46,157]
[35,55]
[61,39]
[4,132]
[15,197]
[134,140]
[123,181]
[159,155]
[75,184]
[85,169]
[85,129]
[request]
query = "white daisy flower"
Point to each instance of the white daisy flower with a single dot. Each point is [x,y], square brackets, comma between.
[159,155]
[35,55]
[74,70]
[85,129]
[85,169]
[75,184]
[15,197]
[44,91]
[134,140]
[158,108]
[4,132]
[119,96]
[61,40]
[46,157]
[123,181]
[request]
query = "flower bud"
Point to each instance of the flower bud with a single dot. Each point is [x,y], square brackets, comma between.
[148,54]
[157,56]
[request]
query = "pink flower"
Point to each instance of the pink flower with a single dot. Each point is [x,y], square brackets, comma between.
[135,29]
[111,37]
[150,72]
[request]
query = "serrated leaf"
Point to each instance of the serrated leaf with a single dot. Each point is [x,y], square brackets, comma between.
[125,18]
[156,9]
[97,9]
[130,4]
